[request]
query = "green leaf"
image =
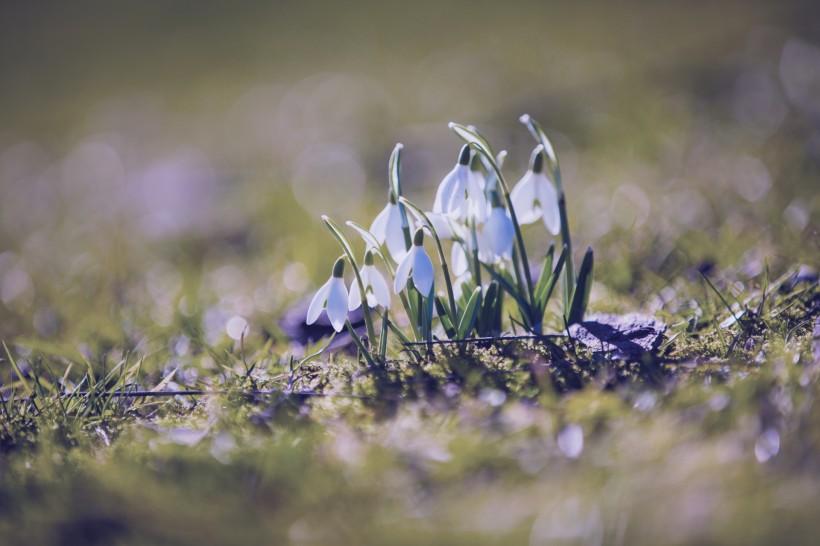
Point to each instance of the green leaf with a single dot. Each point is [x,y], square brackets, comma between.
[523,306]
[428,317]
[465,325]
[546,272]
[544,291]
[357,340]
[488,314]
[582,289]
[398,333]
[383,337]
[443,317]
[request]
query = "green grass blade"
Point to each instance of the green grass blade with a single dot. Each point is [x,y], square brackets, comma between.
[720,296]
[17,370]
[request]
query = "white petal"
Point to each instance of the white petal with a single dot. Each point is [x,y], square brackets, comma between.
[380,289]
[549,204]
[458,260]
[499,232]
[460,230]
[394,234]
[523,197]
[403,271]
[423,272]
[317,303]
[477,178]
[379,225]
[485,251]
[456,206]
[445,191]
[478,201]
[354,299]
[337,303]
[442,225]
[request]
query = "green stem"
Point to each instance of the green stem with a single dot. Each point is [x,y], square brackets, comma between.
[476,261]
[569,271]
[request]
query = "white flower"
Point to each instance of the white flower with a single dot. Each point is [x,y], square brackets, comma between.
[333,297]
[460,194]
[534,197]
[499,233]
[418,263]
[387,229]
[375,287]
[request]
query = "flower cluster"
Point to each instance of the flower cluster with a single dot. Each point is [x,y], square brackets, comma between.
[475,212]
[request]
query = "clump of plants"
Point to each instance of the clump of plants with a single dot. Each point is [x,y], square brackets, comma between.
[481,216]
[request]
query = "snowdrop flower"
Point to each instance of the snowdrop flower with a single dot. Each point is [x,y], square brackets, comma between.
[417,263]
[387,228]
[375,286]
[333,297]
[534,196]
[498,231]
[460,194]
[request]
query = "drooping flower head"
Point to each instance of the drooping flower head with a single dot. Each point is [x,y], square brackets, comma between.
[332,296]
[535,197]
[460,194]
[387,229]
[375,287]
[498,230]
[416,264]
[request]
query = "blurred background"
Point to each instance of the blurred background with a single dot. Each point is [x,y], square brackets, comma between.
[167,163]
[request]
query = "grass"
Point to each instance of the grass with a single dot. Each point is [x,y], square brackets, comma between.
[711,441]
